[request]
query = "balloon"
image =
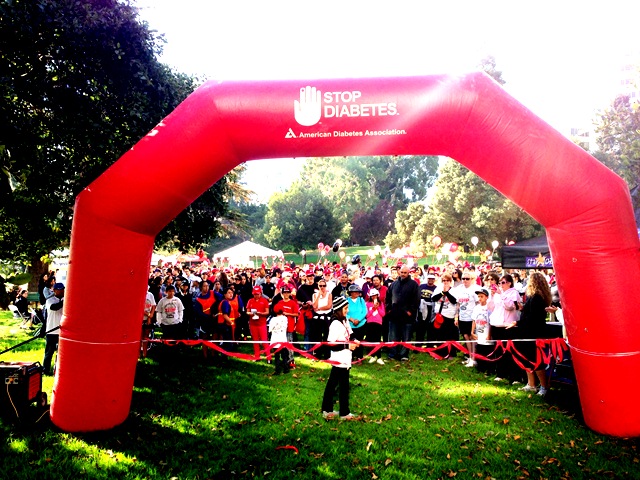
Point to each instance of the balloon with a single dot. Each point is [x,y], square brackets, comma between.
[377,249]
[419,254]
[495,244]
[339,242]
[336,247]
[474,241]
[436,241]
[439,256]
[347,259]
[453,248]
[320,246]
[323,253]
[341,254]
[487,253]
[355,259]
[327,248]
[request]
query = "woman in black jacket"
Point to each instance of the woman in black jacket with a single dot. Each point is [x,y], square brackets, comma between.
[533,325]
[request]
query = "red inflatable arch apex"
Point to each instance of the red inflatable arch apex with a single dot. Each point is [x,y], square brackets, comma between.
[585,208]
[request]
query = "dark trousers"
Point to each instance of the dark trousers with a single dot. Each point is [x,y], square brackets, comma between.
[359,334]
[50,348]
[374,334]
[448,331]
[399,332]
[339,378]
[282,361]
[173,332]
[226,332]
[505,366]
[318,331]
[421,330]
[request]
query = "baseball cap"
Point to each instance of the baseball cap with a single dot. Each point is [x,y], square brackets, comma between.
[257,289]
[285,289]
[58,286]
[483,291]
[431,275]
[373,291]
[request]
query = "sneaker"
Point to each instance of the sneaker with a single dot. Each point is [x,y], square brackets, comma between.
[372,359]
[329,415]
[497,379]
[349,416]
[471,363]
[404,359]
[543,391]
[528,388]
[380,361]
[516,382]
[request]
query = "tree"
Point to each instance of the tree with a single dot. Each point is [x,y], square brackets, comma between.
[405,225]
[618,139]
[370,227]
[299,218]
[354,184]
[80,84]
[465,206]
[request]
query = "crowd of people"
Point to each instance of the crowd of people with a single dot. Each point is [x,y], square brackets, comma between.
[426,306]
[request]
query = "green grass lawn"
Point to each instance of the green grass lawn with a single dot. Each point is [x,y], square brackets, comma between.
[421,419]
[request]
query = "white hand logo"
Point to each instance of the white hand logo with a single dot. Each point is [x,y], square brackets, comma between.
[309,109]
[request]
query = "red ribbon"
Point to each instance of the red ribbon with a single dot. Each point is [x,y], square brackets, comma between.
[288,447]
[555,350]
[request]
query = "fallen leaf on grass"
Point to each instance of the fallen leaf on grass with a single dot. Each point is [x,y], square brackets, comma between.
[369,443]
[505,420]
[387,462]
[516,437]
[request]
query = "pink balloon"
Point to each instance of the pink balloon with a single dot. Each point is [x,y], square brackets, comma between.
[454,247]
[327,248]
[320,246]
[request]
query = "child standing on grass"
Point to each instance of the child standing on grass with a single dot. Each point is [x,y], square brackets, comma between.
[339,337]
[479,327]
[278,330]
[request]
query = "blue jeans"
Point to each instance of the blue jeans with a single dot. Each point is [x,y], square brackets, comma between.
[399,332]
[51,345]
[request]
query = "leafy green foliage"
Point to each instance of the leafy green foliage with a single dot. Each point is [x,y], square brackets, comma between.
[79,85]
[464,206]
[299,218]
[368,227]
[618,139]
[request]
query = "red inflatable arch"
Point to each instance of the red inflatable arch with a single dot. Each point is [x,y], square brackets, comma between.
[585,208]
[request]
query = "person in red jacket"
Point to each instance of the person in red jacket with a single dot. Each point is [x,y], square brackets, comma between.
[289,308]
[258,309]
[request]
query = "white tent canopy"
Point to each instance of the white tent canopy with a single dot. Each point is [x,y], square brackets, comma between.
[242,253]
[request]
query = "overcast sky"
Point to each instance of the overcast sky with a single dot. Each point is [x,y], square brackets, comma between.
[561,59]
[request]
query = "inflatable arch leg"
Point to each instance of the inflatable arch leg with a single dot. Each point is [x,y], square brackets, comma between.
[585,208]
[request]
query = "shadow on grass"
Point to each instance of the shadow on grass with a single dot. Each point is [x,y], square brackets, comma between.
[187,418]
